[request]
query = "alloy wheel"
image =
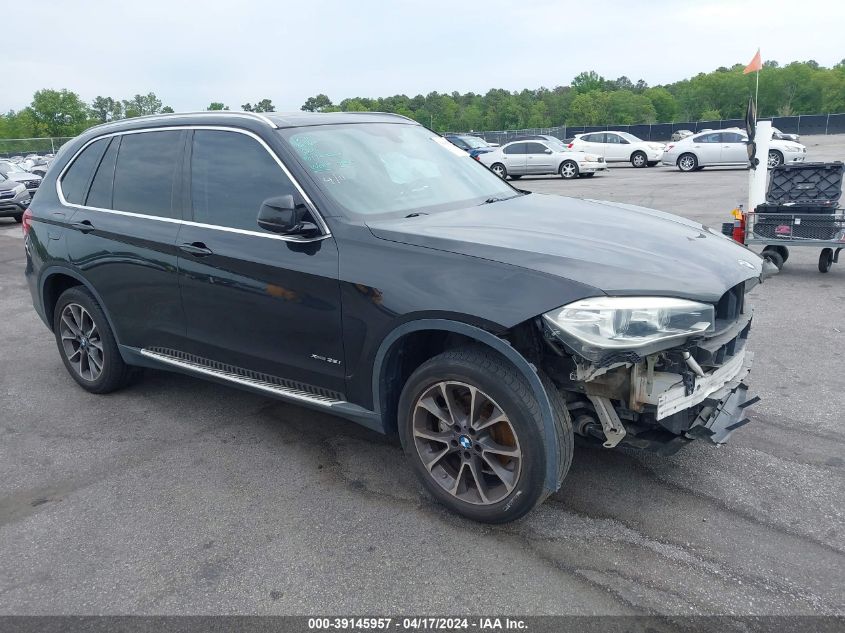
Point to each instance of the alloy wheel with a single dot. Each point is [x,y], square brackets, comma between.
[638,160]
[498,170]
[466,442]
[568,170]
[686,163]
[774,159]
[81,342]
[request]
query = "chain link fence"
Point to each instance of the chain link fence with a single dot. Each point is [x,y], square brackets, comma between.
[24,146]
[799,124]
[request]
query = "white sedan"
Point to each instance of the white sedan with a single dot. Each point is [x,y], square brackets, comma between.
[726,148]
[619,147]
[522,158]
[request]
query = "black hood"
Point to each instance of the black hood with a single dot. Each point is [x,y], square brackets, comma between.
[618,248]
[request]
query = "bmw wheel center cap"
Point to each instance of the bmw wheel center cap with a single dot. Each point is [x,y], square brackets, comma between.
[465,442]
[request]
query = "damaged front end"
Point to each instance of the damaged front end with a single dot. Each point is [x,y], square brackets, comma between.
[652,372]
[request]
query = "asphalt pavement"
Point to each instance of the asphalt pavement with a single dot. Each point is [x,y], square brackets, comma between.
[178,496]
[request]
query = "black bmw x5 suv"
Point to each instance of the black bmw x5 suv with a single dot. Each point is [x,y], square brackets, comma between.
[362,265]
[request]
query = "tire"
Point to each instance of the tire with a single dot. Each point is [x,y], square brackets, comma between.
[516,177]
[568,170]
[687,162]
[639,159]
[773,256]
[784,252]
[79,323]
[18,217]
[500,170]
[775,158]
[825,260]
[590,175]
[443,463]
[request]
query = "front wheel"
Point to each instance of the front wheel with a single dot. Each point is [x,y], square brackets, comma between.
[86,342]
[687,162]
[499,170]
[825,260]
[568,170]
[471,428]
[775,158]
[639,159]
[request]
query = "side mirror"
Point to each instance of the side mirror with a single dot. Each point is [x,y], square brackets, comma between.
[283,215]
[547,151]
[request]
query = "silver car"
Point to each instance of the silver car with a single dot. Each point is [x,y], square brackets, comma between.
[14,198]
[520,158]
[726,148]
[14,172]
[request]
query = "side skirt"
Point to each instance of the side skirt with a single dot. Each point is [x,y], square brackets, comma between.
[192,365]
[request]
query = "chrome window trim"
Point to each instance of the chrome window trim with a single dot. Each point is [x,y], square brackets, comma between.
[311,206]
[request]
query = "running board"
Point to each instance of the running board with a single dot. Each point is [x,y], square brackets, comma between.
[339,407]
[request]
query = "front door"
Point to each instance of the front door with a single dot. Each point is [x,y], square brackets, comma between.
[734,148]
[255,301]
[539,158]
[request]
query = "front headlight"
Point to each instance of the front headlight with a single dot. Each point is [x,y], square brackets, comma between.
[599,325]
[18,188]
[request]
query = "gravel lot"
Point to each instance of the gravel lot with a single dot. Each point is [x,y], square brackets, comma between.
[179,496]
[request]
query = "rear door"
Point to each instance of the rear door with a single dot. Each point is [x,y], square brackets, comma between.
[734,151]
[125,190]
[708,148]
[257,303]
[539,158]
[514,158]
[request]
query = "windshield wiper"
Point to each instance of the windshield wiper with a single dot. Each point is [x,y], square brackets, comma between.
[493,199]
[415,214]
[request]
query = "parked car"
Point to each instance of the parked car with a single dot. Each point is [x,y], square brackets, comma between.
[521,158]
[536,137]
[14,198]
[473,145]
[619,147]
[726,148]
[361,265]
[15,172]
[678,135]
[40,169]
[783,136]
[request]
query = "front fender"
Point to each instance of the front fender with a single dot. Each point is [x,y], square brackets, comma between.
[528,371]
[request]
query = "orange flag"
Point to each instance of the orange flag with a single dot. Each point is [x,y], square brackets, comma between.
[755,65]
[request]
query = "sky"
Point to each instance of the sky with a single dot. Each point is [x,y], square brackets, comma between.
[191,53]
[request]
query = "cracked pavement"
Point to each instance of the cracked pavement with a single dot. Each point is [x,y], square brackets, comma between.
[178,496]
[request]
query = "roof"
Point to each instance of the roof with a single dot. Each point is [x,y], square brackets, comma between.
[273,119]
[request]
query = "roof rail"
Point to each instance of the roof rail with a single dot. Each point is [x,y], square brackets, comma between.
[166,115]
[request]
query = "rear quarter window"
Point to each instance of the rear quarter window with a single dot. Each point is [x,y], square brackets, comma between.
[76,179]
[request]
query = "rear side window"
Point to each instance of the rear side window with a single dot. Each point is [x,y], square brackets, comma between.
[145,173]
[101,188]
[732,137]
[76,179]
[231,175]
[516,148]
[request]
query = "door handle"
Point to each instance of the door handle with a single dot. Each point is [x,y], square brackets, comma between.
[85,226]
[197,249]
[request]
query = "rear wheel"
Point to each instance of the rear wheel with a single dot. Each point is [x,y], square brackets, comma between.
[773,256]
[472,430]
[568,170]
[687,162]
[825,260]
[639,159]
[86,342]
[499,170]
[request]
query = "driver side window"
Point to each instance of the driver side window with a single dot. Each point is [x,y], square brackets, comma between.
[231,175]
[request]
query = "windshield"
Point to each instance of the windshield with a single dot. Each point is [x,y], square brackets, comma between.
[556,145]
[10,168]
[384,168]
[630,137]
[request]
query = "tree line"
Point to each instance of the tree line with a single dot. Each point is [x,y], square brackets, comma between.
[589,99]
